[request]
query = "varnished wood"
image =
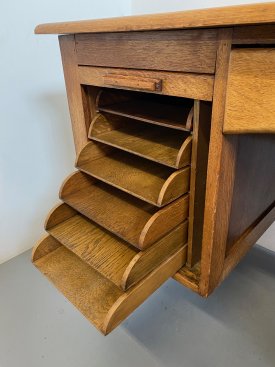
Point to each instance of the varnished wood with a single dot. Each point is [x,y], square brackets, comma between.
[200,147]
[114,258]
[140,88]
[188,277]
[188,51]
[254,190]
[247,240]
[250,102]
[162,145]
[74,92]
[43,247]
[220,178]
[135,221]
[149,181]
[134,82]
[254,35]
[135,296]
[212,17]
[188,85]
[100,301]
[153,109]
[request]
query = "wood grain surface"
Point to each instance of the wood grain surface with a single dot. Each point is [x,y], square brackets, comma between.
[97,298]
[250,102]
[188,85]
[213,17]
[146,180]
[78,113]
[112,257]
[134,220]
[159,144]
[192,51]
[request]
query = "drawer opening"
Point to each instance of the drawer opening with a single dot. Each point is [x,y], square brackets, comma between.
[173,112]
[133,220]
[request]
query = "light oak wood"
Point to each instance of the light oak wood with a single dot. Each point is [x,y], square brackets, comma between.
[200,148]
[250,102]
[97,298]
[44,246]
[189,277]
[141,89]
[188,85]
[135,221]
[127,81]
[162,145]
[153,109]
[134,297]
[220,178]
[186,51]
[212,17]
[112,257]
[80,123]
[151,182]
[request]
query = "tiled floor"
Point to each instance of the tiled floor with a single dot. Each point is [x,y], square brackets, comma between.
[235,327]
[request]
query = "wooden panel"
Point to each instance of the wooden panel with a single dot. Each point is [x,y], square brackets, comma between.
[135,221]
[198,86]
[200,147]
[250,102]
[149,181]
[255,35]
[213,17]
[254,186]
[192,51]
[112,257]
[162,145]
[247,240]
[220,177]
[75,96]
[96,297]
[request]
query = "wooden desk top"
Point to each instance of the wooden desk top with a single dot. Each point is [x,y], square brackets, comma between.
[261,13]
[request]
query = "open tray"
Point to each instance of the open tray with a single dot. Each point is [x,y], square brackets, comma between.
[97,298]
[133,220]
[166,146]
[173,112]
[112,257]
[149,181]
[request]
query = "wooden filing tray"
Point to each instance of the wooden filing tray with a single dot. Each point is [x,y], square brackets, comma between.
[169,180]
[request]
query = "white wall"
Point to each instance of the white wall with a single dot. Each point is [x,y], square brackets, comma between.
[160,6]
[147,7]
[36,146]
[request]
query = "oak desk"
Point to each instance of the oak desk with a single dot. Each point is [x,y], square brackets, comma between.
[173,122]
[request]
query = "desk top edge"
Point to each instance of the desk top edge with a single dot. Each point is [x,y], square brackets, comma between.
[251,14]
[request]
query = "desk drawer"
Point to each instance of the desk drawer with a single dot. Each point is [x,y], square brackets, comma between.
[188,85]
[184,51]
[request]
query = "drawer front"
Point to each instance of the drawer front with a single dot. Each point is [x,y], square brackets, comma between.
[250,103]
[188,85]
[184,51]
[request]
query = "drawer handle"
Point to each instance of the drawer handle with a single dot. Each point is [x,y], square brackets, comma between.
[133,82]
